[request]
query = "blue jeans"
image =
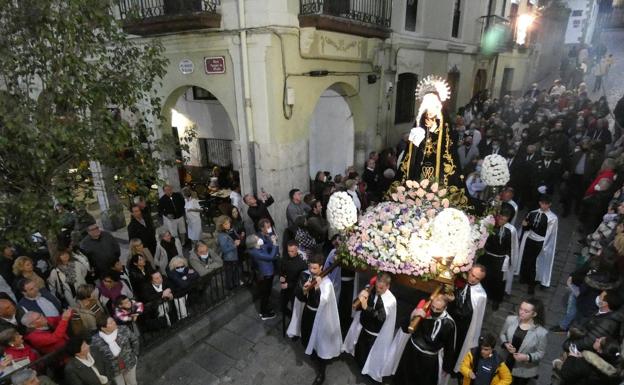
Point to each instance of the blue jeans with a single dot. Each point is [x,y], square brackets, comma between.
[570,313]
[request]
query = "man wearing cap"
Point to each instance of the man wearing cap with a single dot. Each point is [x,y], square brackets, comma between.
[548,172]
[537,248]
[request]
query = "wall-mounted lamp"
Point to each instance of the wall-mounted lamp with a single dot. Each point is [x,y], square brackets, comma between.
[524,23]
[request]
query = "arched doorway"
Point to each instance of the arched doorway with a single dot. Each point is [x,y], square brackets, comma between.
[331,143]
[196,109]
[480,82]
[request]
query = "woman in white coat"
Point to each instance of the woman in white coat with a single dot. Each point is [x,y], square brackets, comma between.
[65,278]
[193,217]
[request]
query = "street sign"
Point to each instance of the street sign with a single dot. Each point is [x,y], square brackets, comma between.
[214,65]
[186,66]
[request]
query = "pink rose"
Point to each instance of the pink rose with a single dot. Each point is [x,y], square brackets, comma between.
[421,193]
[429,196]
[442,192]
[424,183]
[445,203]
[434,187]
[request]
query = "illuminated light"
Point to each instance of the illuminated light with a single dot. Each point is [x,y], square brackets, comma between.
[180,121]
[524,23]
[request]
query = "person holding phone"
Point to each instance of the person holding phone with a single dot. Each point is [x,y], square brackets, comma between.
[523,337]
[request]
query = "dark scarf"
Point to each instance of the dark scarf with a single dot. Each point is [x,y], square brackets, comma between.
[170,248]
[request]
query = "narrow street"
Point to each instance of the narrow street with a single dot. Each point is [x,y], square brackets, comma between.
[249,351]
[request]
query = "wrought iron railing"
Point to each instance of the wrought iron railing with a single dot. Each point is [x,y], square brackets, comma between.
[145,9]
[375,12]
[187,307]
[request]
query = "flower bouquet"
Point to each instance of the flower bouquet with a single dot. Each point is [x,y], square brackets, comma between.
[494,171]
[341,211]
[413,231]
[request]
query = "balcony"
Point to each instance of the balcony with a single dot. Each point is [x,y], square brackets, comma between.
[151,17]
[368,18]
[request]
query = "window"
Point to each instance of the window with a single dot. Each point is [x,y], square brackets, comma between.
[513,18]
[453,81]
[577,13]
[503,8]
[411,11]
[508,74]
[456,18]
[405,98]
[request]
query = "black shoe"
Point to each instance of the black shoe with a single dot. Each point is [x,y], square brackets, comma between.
[558,329]
[320,378]
[268,316]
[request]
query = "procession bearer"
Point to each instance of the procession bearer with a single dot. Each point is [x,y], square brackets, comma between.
[372,330]
[418,355]
[315,316]
[537,248]
[500,257]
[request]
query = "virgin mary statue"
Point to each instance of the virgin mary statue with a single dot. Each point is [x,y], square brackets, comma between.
[429,152]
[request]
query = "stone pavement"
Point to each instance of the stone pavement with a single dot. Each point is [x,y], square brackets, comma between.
[249,351]
[613,83]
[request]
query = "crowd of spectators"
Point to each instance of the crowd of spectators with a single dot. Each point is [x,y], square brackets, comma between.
[88,304]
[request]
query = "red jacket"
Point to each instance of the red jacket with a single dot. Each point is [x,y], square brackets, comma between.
[19,354]
[608,174]
[46,341]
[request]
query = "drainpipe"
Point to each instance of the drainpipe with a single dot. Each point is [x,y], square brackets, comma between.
[249,129]
[245,63]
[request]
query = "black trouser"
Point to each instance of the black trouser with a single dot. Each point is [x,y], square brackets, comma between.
[363,346]
[598,83]
[232,274]
[576,185]
[345,303]
[264,291]
[529,258]
[493,282]
[416,367]
[287,298]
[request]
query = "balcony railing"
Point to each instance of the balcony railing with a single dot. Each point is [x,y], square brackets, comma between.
[370,18]
[147,17]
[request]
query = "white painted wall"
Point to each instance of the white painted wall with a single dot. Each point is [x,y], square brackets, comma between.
[577,24]
[209,118]
[331,135]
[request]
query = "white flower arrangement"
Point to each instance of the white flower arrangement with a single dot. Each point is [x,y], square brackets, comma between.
[406,234]
[450,234]
[341,211]
[494,171]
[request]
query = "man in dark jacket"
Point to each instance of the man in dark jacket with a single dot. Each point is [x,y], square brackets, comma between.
[290,268]
[171,209]
[40,301]
[11,315]
[101,248]
[605,323]
[139,227]
[258,208]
